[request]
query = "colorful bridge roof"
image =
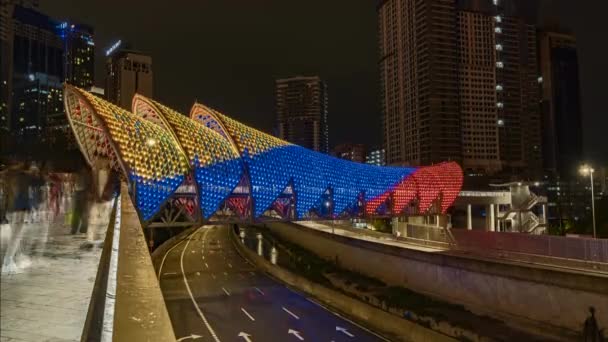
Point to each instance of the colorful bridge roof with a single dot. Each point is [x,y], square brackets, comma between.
[157,146]
[148,155]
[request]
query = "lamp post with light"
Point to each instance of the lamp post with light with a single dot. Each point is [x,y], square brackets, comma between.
[588,170]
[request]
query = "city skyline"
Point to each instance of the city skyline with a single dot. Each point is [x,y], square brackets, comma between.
[245,60]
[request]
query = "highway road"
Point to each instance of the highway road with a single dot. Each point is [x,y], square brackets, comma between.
[213,294]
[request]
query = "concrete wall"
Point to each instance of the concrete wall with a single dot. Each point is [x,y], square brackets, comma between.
[530,297]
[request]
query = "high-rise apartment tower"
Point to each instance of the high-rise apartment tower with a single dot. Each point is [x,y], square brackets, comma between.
[301,112]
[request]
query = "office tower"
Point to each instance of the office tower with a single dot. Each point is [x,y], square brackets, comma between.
[478,88]
[79,53]
[561,104]
[37,72]
[6,57]
[352,152]
[459,82]
[419,81]
[518,107]
[376,157]
[301,112]
[128,72]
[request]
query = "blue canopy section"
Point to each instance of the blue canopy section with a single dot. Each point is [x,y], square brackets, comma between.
[216,182]
[312,174]
[151,194]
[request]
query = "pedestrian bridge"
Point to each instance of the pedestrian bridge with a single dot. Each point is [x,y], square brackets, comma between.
[208,167]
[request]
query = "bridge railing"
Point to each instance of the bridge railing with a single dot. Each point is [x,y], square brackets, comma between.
[126,303]
[573,248]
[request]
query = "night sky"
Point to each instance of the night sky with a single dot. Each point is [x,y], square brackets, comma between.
[227,53]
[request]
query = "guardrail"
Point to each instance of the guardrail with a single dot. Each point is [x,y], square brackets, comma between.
[583,249]
[126,303]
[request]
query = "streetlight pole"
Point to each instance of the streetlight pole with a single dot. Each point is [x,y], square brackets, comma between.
[592,203]
[584,170]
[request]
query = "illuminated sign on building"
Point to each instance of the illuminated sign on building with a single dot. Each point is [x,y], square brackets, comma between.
[113,47]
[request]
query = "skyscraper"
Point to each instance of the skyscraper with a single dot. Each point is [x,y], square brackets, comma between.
[459,82]
[128,72]
[6,57]
[561,104]
[301,112]
[79,53]
[419,81]
[37,71]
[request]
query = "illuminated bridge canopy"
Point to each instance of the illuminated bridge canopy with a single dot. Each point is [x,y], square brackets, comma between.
[236,166]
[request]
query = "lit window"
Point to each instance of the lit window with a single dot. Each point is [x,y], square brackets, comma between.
[495,2]
[540,79]
[498,19]
[500,105]
[498,87]
[498,47]
[500,122]
[498,29]
[500,65]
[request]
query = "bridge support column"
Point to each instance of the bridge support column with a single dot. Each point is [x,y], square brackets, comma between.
[543,218]
[469,218]
[490,215]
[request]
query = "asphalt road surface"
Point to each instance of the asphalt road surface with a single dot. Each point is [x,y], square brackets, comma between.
[213,294]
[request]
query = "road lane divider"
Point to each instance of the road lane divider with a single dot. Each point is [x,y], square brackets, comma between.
[248,315]
[198,309]
[290,313]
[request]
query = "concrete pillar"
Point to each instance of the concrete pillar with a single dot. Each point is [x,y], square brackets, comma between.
[491,218]
[437,218]
[543,218]
[469,218]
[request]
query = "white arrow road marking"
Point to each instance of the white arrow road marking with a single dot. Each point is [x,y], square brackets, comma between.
[226,291]
[230,265]
[203,256]
[296,334]
[206,265]
[212,275]
[191,337]
[198,273]
[344,331]
[248,315]
[225,274]
[245,336]
[260,291]
[291,313]
[169,273]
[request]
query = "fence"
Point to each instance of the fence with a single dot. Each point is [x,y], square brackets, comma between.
[584,249]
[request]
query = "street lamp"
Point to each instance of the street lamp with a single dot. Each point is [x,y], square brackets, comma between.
[588,170]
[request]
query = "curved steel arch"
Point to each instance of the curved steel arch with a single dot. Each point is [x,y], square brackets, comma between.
[216,164]
[148,155]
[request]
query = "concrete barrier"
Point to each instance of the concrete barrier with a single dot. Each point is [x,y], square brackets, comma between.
[539,299]
[392,326]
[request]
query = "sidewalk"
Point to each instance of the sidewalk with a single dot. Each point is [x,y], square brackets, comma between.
[48,298]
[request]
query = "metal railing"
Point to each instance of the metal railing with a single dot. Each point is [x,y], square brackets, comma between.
[577,248]
[126,303]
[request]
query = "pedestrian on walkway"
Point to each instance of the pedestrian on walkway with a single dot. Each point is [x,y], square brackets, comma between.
[20,206]
[82,190]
